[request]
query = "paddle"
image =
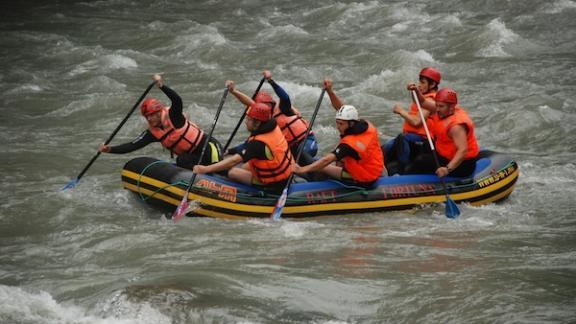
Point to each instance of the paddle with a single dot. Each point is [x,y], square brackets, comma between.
[73,183]
[181,210]
[277,212]
[452,210]
[242,118]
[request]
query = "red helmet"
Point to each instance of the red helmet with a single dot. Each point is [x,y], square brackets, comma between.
[264,97]
[150,106]
[260,111]
[431,73]
[446,95]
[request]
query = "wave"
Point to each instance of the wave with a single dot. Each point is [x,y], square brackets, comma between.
[22,306]
[557,7]
[286,31]
[105,63]
[498,37]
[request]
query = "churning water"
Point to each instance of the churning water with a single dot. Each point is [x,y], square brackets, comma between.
[71,70]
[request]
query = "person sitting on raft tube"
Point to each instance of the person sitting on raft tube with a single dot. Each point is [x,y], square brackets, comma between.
[403,149]
[455,143]
[267,159]
[359,151]
[173,130]
[288,118]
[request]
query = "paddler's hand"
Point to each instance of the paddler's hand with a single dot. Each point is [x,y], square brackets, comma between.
[412,87]
[267,74]
[398,109]
[200,169]
[104,148]
[158,79]
[298,169]
[230,85]
[442,171]
[327,85]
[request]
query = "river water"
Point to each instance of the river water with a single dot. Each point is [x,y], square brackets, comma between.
[70,71]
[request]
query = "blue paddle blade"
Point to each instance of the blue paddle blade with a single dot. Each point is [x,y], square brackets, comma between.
[452,210]
[70,185]
[279,205]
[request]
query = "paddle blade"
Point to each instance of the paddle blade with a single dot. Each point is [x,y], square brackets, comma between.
[70,184]
[277,213]
[452,210]
[181,210]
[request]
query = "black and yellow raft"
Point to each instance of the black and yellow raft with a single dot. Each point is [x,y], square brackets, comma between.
[162,184]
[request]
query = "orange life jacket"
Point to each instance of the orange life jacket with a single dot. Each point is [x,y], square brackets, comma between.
[181,140]
[407,128]
[371,162]
[280,167]
[444,143]
[293,127]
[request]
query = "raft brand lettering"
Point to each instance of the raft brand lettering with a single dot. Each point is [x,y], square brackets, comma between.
[404,191]
[496,177]
[321,197]
[225,192]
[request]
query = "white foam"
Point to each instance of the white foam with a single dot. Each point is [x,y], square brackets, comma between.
[559,6]
[25,88]
[105,63]
[73,107]
[282,31]
[499,36]
[550,115]
[20,306]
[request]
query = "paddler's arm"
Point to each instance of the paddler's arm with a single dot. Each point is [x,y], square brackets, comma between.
[243,98]
[176,106]
[428,104]
[458,135]
[413,120]
[225,164]
[285,104]
[144,139]
[334,99]
[317,165]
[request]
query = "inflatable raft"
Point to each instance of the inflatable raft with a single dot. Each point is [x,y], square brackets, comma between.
[161,184]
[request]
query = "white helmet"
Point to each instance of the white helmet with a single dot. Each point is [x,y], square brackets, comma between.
[347,112]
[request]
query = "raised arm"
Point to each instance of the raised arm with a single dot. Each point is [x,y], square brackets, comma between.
[334,99]
[243,98]
[285,104]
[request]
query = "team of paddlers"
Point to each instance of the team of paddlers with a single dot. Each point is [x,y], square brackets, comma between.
[277,130]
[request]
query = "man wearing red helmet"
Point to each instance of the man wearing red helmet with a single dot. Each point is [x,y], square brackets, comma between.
[267,159]
[288,118]
[171,128]
[455,143]
[403,149]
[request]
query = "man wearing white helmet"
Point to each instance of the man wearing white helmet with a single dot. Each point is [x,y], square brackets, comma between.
[359,148]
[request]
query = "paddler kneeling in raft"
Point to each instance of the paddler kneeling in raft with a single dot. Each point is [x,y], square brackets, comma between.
[455,142]
[359,148]
[267,159]
[288,118]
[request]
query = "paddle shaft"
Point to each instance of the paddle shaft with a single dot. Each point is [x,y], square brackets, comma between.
[415,98]
[303,144]
[277,212]
[206,142]
[242,117]
[116,130]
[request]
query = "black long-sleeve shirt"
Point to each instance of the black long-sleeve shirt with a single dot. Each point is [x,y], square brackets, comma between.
[285,104]
[146,137]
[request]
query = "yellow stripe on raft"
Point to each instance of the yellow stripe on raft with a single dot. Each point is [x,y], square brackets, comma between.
[316,207]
